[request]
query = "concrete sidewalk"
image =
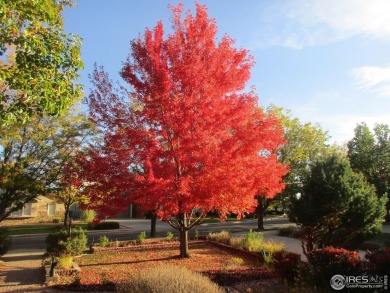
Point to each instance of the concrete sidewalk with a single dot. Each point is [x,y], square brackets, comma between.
[23,272]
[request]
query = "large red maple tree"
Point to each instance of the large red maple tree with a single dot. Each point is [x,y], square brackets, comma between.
[184,136]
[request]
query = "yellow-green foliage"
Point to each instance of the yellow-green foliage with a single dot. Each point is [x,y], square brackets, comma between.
[103,241]
[253,241]
[168,279]
[65,262]
[268,258]
[221,237]
[141,237]
[236,261]
[87,216]
[272,246]
[169,235]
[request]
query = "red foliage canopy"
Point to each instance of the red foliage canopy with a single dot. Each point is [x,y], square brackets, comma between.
[185,135]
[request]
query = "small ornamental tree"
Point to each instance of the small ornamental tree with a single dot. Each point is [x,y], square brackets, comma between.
[189,138]
[69,190]
[337,206]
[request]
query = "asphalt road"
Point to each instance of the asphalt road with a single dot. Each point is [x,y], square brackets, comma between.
[130,228]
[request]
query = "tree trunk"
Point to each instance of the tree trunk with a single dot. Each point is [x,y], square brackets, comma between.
[307,241]
[153,223]
[183,225]
[66,217]
[184,253]
[262,206]
[3,215]
[183,228]
[260,217]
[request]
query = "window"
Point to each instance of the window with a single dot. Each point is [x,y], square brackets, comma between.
[17,213]
[25,211]
[51,209]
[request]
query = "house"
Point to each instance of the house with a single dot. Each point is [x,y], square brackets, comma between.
[44,208]
[131,211]
[41,207]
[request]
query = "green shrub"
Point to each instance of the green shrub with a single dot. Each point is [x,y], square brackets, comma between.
[267,257]
[5,240]
[60,243]
[196,234]
[56,243]
[337,206]
[78,241]
[141,237]
[103,241]
[168,279]
[56,220]
[221,237]
[88,216]
[169,235]
[104,226]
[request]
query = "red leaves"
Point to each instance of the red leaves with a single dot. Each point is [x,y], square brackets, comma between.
[185,136]
[118,266]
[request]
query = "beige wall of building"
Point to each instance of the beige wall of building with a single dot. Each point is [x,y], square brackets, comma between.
[41,206]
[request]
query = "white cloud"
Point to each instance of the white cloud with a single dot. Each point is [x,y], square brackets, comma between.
[372,77]
[340,111]
[301,23]
[340,126]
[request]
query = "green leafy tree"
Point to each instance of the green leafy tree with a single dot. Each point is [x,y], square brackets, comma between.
[369,153]
[33,156]
[38,60]
[337,206]
[305,144]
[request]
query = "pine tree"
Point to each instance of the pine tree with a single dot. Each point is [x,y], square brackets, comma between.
[337,206]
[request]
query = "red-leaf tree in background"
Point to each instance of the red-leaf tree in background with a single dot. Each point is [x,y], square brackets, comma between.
[185,136]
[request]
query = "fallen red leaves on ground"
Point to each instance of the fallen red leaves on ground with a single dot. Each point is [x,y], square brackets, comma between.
[220,264]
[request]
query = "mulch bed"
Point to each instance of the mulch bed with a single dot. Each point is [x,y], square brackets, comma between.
[101,271]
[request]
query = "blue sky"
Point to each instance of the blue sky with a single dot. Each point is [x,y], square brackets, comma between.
[328,61]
